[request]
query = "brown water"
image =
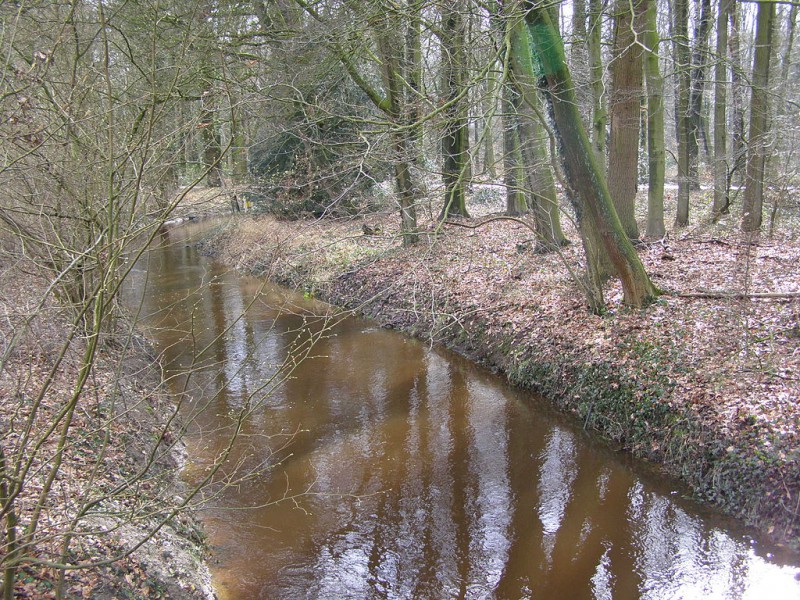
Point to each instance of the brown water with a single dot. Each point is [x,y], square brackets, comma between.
[406,472]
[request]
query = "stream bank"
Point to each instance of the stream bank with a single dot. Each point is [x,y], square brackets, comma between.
[705,388]
[125,411]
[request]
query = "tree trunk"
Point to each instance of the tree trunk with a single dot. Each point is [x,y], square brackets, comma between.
[681,45]
[388,28]
[414,78]
[655,124]
[543,199]
[786,61]
[596,72]
[696,92]
[594,205]
[721,189]
[394,106]
[455,138]
[625,109]
[579,61]
[739,150]
[513,174]
[212,147]
[489,108]
[759,120]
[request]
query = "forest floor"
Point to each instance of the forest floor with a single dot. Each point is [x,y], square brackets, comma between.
[123,408]
[705,382]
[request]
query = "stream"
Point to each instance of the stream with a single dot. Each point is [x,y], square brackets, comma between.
[371,465]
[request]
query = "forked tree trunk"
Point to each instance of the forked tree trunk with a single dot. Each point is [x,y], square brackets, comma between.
[595,209]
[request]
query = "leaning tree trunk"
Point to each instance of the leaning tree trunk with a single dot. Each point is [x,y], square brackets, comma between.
[595,207]
[625,109]
[759,120]
[655,124]
[539,174]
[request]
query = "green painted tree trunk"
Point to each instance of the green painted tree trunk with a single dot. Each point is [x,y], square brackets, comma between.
[593,202]
[543,199]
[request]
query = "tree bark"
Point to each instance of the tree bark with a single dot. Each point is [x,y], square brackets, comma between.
[596,73]
[738,86]
[655,124]
[579,61]
[594,205]
[697,91]
[402,137]
[786,61]
[681,45]
[513,173]
[543,199]
[759,120]
[489,108]
[455,138]
[721,188]
[625,109]
[212,147]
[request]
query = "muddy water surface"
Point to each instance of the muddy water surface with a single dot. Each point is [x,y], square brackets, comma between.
[380,467]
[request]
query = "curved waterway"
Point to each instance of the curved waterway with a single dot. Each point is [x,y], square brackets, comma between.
[379,467]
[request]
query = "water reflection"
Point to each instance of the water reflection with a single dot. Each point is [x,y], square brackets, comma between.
[412,474]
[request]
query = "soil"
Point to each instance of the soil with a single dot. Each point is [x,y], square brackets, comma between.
[124,407]
[704,383]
